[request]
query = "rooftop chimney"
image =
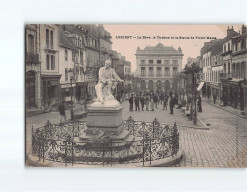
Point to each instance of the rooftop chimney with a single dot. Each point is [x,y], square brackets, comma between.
[243,29]
[230,32]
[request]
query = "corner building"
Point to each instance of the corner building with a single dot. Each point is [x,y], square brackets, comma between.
[156,65]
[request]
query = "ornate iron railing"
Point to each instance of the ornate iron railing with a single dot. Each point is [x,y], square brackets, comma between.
[61,143]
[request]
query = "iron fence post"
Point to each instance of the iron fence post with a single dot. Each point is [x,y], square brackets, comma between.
[53,150]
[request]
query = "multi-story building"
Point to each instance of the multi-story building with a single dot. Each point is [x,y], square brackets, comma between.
[206,66]
[49,55]
[66,63]
[156,66]
[235,71]
[88,55]
[32,67]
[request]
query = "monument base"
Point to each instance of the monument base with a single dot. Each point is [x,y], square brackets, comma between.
[107,118]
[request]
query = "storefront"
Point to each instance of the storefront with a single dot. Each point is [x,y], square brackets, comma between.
[215,91]
[50,89]
[234,93]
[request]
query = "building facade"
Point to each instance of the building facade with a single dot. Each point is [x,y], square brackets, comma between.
[234,72]
[67,63]
[32,67]
[156,66]
[49,55]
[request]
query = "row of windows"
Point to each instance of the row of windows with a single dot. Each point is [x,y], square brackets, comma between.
[226,47]
[167,62]
[211,76]
[241,45]
[158,72]
[77,71]
[206,61]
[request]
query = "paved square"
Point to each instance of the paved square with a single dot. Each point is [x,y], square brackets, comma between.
[223,145]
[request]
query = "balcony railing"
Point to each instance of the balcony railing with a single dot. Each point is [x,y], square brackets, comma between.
[32,57]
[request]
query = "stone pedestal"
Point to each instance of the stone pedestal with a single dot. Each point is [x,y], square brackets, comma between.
[106,117]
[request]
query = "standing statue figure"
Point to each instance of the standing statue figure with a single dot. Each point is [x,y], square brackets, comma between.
[107,79]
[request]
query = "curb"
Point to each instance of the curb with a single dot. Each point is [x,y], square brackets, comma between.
[193,127]
[32,161]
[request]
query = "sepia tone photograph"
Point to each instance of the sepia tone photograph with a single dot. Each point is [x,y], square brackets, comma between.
[109,95]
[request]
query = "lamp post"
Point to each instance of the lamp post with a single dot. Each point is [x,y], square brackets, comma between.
[70,73]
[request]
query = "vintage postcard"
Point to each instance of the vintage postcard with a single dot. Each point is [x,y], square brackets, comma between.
[108,95]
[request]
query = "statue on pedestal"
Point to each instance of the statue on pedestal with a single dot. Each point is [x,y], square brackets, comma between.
[108,79]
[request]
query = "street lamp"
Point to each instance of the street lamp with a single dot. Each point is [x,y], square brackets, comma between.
[70,73]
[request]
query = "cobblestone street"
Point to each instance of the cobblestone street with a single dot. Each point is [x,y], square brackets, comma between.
[216,147]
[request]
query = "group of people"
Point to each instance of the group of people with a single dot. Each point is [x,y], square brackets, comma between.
[150,101]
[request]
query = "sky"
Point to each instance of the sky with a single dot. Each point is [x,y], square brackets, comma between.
[190,47]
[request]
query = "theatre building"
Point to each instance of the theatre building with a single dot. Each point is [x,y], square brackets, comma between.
[156,65]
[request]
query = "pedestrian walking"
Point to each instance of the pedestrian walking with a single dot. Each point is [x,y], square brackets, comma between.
[155,98]
[214,97]
[152,103]
[131,100]
[142,100]
[161,98]
[172,99]
[147,100]
[165,102]
[137,102]
[170,93]
[62,112]
[199,104]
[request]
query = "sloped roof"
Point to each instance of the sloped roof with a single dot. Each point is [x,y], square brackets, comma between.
[65,42]
[239,37]
[218,46]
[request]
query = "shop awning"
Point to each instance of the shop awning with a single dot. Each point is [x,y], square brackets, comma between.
[200,86]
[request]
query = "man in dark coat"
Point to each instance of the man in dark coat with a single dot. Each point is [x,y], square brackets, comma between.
[155,98]
[172,103]
[137,100]
[199,104]
[131,100]
[170,93]
[214,97]
[142,100]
